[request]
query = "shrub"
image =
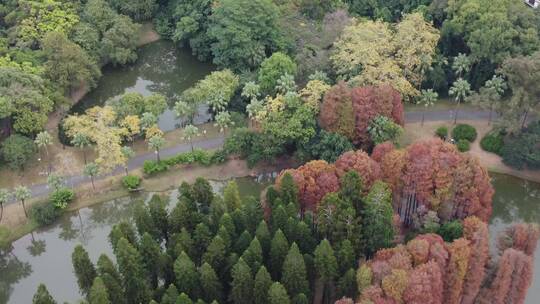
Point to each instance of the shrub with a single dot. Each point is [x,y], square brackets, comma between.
[62,197]
[463,145]
[17,150]
[198,156]
[131,182]
[45,214]
[442,132]
[451,230]
[464,131]
[152,167]
[523,150]
[493,142]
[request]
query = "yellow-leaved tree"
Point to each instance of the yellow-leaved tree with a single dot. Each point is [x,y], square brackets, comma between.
[99,125]
[375,52]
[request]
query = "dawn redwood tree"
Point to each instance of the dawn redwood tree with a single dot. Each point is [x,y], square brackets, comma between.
[242,283]
[98,293]
[277,294]
[84,269]
[457,266]
[42,296]
[326,267]
[131,268]
[278,251]
[261,285]
[211,287]
[378,229]
[336,114]
[294,274]
[521,236]
[359,162]
[425,285]
[476,232]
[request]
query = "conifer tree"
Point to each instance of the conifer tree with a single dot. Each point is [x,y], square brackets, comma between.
[215,254]
[300,299]
[242,243]
[150,253]
[227,222]
[202,194]
[111,278]
[231,196]
[326,266]
[262,284]
[170,295]
[351,189]
[239,220]
[252,214]
[210,284]
[253,255]
[278,250]
[201,238]
[122,230]
[131,268]
[98,293]
[187,277]
[180,218]
[347,286]
[263,235]
[291,229]
[183,299]
[144,222]
[306,241]
[225,237]
[279,218]
[346,257]
[378,229]
[157,208]
[288,190]
[278,295]
[185,243]
[294,274]
[242,283]
[84,269]
[42,296]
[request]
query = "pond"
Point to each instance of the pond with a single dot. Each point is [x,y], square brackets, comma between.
[160,68]
[36,256]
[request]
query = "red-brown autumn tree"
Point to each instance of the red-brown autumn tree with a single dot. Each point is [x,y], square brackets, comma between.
[359,161]
[314,180]
[336,114]
[523,237]
[476,231]
[349,111]
[457,266]
[442,179]
[370,102]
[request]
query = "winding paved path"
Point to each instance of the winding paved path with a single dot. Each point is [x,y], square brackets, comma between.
[137,161]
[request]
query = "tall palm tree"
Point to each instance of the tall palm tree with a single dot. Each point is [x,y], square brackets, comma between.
[460,90]
[82,142]
[190,132]
[495,87]
[128,153]
[156,143]
[223,121]
[461,65]
[91,170]
[427,99]
[4,198]
[22,193]
[43,140]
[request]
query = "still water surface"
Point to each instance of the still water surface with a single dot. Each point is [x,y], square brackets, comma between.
[45,255]
[160,68]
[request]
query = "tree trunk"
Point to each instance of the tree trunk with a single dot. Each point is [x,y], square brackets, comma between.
[157,155]
[456,111]
[423,114]
[1,211]
[24,208]
[490,115]
[48,161]
[191,143]
[84,156]
[524,122]
[92,181]
[126,169]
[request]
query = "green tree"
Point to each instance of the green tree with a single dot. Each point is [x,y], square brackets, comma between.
[190,132]
[263,235]
[119,42]
[460,89]
[286,84]
[131,267]
[272,68]
[378,230]
[150,253]
[382,129]
[211,288]
[139,10]
[278,295]
[288,190]
[253,255]
[461,65]
[215,253]
[278,251]
[346,256]
[347,286]
[242,283]
[170,295]
[203,194]
[84,269]
[98,293]
[244,31]
[68,65]
[22,193]
[111,278]
[262,284]
[42,141]
[294,274]
[202,236]
[231,196]
[17,150]
[122,230]
[490,95]
[82,142]
[5,195]
[187,277]
[128,153]
[223,121]
[351,190]
[156,143]
[42,296]
[183,299]
[326,266]
[427,99]
[185,109]
[91,170]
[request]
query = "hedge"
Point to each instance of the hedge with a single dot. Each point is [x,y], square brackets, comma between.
[198,156]
[442,132]
[493,142]
[463,145]
[464,131]
[131,182]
